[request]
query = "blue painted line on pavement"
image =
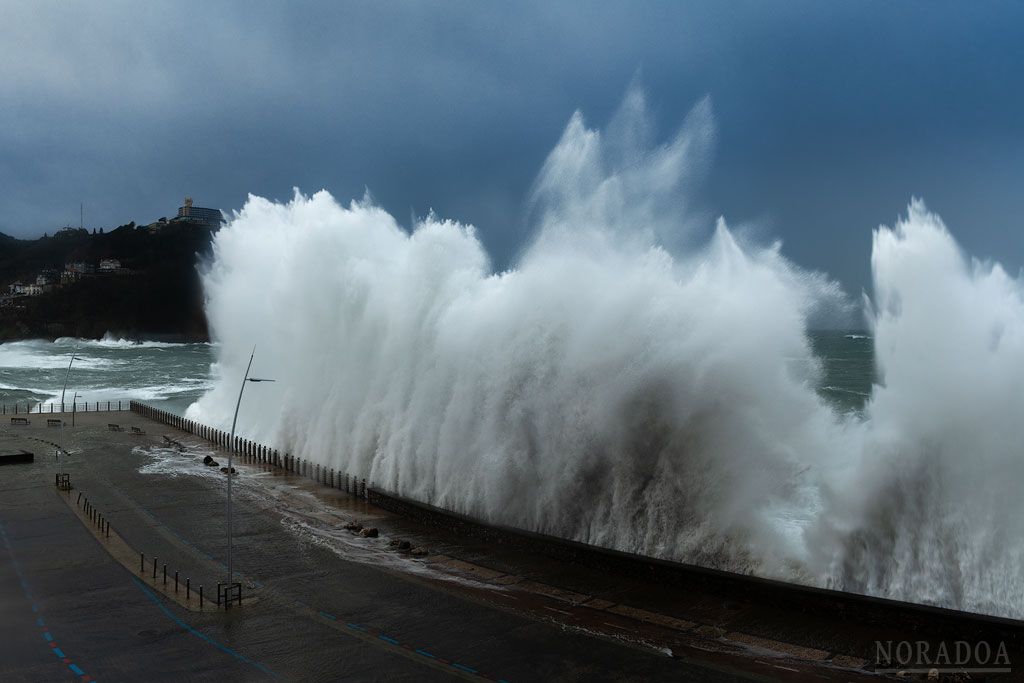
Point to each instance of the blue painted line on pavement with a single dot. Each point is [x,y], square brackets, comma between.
[35,609]
[464,668]
[425,654]
[328,616]
[199,634]
[388,639]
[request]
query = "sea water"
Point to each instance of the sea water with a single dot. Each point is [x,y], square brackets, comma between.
[111,369]
[173,376]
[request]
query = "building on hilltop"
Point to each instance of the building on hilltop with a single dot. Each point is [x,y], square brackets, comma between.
[74,270]
[80,267]
[198,215]
[109,265]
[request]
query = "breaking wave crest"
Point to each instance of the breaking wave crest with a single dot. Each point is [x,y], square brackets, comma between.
[637,383]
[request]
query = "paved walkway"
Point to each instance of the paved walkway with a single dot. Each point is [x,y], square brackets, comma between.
[70,611]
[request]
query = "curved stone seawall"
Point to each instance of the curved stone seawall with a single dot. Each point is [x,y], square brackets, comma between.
[955,625]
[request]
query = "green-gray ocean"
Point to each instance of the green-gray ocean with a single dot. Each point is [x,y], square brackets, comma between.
[175,375]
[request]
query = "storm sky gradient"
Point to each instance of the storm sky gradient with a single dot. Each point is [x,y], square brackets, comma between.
[830,116]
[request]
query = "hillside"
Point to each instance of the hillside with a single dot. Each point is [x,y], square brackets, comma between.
[155,294]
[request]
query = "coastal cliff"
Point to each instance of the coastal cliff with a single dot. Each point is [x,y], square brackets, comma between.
[132,282]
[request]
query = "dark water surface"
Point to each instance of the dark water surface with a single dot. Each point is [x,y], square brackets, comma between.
[175,375]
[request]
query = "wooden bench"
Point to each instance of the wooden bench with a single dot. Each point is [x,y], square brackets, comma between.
[136,430]
[53,422]
[20,421]
[115,428]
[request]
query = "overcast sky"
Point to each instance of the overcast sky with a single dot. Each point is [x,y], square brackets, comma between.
[830,116]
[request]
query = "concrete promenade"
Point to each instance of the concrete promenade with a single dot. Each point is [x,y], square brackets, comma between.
[324,604]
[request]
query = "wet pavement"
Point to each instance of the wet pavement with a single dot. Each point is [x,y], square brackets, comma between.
[322,603]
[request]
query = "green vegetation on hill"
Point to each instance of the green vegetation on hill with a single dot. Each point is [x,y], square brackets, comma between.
[157,294]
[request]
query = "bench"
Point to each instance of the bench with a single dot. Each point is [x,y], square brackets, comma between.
[53,422]
[115,428]
[20,421]
[136,430]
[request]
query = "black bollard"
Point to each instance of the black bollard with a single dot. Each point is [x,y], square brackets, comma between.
[175,581]
[154,568]
[142,563]
[108,529]
[188,588]
[200,596]
[79,498]
[165,573]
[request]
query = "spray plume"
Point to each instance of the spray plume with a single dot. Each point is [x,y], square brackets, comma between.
[635,384]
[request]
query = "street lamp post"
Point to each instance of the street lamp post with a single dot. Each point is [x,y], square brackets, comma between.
[74,357]
[231,450]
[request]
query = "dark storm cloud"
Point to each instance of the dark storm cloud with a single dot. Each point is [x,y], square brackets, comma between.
[830,116]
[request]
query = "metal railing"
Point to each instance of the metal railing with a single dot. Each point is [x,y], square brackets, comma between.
[30,408]
[253,452]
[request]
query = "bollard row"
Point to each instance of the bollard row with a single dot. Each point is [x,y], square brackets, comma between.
[101,523]
[189,593]
[252,452]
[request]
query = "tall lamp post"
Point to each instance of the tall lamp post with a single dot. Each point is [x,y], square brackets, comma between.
[74,357]
[231,450]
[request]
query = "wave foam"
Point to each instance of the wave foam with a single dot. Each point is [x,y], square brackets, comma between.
[614,392]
